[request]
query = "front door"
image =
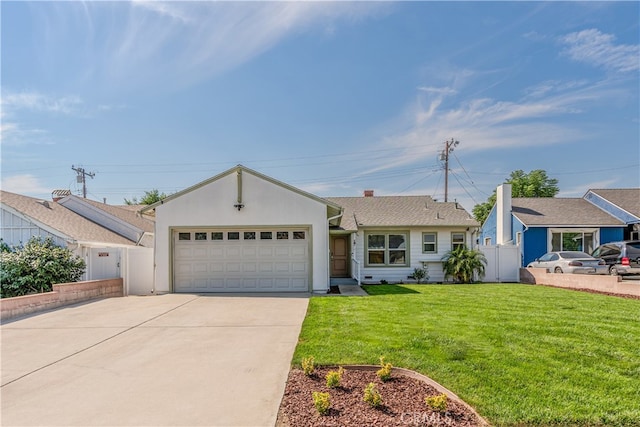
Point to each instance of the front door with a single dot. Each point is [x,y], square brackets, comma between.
[339,256]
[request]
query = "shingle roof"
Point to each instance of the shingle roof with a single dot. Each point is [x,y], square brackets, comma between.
[400,211]
[625,198]
[551,211]
[59,218]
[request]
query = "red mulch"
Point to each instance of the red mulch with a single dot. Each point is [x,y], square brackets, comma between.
[592,291]
[403,402]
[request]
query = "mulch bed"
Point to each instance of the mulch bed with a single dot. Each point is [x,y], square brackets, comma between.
[593,291]
[402,402]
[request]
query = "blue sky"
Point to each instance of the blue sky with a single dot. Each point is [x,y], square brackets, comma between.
[331,97]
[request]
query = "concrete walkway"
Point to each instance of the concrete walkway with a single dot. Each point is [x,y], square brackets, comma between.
[170,360]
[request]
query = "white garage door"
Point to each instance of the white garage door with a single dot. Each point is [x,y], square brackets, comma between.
[241,260]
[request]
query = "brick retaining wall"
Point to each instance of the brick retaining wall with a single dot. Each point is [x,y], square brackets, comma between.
[613,284]
[62,294]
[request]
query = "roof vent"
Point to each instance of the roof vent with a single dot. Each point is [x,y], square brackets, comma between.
[368,193]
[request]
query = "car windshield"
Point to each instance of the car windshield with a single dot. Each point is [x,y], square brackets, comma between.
[575,255]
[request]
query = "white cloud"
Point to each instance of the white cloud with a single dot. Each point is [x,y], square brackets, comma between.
[35,101]
[596,48]
[181,43]
[24,184]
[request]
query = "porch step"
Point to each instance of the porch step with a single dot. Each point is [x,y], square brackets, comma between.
[337,281]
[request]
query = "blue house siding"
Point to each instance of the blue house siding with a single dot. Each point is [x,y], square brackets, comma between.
[534,244]
[489,228]
[613,234]
[518,227]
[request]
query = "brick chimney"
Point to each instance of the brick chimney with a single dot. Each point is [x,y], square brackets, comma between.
[368,193]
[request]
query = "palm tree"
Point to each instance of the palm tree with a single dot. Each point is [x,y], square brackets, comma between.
[462,264]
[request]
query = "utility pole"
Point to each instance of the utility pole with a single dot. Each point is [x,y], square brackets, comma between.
[82,178]
[444,156]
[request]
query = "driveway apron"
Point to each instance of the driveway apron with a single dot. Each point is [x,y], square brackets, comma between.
[168,360]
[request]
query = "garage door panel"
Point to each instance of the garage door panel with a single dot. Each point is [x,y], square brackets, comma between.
[267,261]
[249,267]
[233,267]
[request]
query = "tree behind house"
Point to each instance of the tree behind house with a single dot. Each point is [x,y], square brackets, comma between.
[149,198]
[533,184]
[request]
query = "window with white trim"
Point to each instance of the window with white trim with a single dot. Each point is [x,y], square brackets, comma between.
[387,249]
[573,240]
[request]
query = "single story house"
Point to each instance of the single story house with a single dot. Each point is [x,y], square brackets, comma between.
[242,231]
[112,240]
[540,225]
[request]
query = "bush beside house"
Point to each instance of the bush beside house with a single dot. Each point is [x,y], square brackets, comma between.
[36,267]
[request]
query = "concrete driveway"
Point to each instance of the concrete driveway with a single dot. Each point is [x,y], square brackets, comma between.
[168,360]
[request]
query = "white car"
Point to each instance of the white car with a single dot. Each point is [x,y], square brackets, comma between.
[570,262]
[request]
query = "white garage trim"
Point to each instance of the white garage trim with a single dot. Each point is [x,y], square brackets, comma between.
[241,259]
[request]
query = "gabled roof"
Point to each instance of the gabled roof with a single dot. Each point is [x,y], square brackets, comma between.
[627,199]
[552,211]
[53,216]
[400,211]
[334,209]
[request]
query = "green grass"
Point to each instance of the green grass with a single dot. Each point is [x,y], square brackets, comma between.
[521,355]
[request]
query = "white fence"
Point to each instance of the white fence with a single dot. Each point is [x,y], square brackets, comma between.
[503,263]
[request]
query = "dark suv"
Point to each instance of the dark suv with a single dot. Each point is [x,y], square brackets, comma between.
[621,257]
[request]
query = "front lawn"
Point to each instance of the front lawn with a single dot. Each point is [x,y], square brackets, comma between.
[520,354]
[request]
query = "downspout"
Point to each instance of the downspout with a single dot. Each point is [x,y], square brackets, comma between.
[329,241]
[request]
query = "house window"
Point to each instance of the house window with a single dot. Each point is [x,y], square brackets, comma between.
[216,235]
[457,240]
[266,235]
[201,236]
[249,235]
[487,241]
[519,238]
[233,235]
[299,235]
[387,249]
[572,240]
[184,236]
[429,243]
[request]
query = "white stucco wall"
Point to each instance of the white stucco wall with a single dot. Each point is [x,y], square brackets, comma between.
[265,204]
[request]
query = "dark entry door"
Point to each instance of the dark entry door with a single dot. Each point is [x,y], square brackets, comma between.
[339,256]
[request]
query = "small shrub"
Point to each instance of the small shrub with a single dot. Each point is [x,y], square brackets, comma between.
[334,377]
[420,274]
[322,402]
[437,403]
[384,373]
[372,396]
[384,282]
[308,365]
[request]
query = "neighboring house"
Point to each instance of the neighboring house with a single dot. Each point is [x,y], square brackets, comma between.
[242,231]
[624,204]
[110,239]
[540,225]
